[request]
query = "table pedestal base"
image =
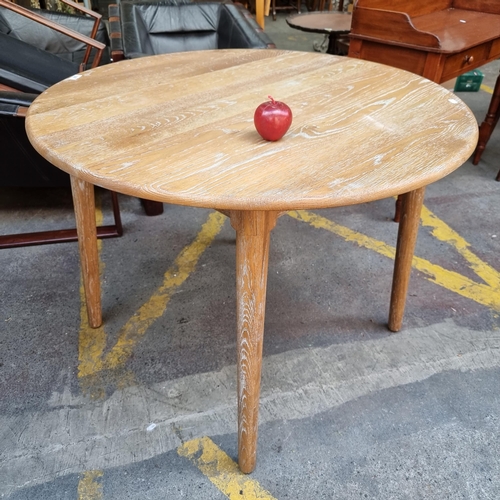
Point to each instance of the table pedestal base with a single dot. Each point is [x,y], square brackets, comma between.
[328,45]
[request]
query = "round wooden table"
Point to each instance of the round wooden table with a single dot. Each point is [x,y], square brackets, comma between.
[178,128]
[331,24]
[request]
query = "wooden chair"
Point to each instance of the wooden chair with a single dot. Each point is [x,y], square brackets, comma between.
[489,123]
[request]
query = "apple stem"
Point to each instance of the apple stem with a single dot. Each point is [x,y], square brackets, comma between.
[272,100]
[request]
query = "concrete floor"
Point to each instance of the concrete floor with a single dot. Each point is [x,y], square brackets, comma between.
[145,407]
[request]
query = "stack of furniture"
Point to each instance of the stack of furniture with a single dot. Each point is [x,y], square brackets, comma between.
[46,38]
[288,5]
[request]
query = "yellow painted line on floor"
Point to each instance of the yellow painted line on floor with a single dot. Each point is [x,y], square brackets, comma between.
[223,472]
[485,294]
[487,89]
[92,342]
[154,308]
[93,359]
[442,232]
[90,486]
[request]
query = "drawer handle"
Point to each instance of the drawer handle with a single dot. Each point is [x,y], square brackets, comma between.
[468,59]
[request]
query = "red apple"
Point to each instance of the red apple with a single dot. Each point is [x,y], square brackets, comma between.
[272,119]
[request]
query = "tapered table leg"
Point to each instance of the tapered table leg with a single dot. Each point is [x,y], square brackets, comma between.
[84,202]
[407,237]
[252,252]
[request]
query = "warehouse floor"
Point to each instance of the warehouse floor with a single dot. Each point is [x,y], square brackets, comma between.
[145,407]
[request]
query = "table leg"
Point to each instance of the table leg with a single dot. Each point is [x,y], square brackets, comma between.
[321,46]
[407,238]
[252,252]
[332,43]
[84,202]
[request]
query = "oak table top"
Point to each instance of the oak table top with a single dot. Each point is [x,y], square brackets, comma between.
[178,128]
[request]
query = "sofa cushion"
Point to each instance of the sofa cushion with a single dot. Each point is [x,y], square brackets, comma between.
[29,69]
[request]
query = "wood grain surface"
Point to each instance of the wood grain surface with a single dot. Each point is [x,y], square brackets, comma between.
[179,128]
[253,230]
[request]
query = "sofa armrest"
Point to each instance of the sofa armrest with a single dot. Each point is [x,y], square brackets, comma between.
[116,35]
[238,29]
[61,29]
[115,32]
[264,37]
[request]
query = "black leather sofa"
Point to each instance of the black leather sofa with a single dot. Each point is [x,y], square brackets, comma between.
[142,28]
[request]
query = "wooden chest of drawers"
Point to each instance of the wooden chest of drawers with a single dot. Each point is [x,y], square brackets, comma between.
[438,39]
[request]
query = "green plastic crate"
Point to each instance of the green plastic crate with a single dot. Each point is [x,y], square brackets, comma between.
[469,82]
